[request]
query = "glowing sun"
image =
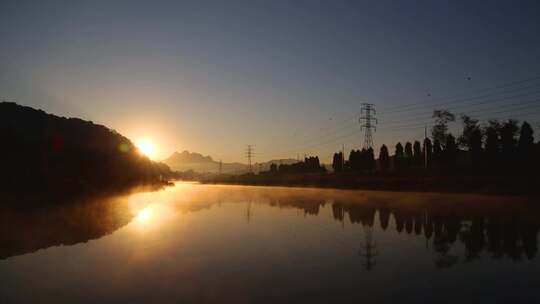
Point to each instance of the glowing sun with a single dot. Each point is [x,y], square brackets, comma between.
[147,148]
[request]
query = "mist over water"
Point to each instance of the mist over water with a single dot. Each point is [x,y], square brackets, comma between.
[196,243]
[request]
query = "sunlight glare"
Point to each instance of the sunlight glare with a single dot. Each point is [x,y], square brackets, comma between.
[146,147]
[144,215]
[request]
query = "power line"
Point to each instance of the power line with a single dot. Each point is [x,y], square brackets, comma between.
[335,132]
[423,115]
[344,124]
[485,114]
[496,87]
[453,101]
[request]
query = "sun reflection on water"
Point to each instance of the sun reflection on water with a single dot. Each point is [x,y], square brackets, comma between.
[144,215]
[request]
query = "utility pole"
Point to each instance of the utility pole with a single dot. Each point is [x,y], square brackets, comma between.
[220,167]
[366,121]
[249,155]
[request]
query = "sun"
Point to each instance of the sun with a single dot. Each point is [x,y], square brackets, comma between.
[146,147]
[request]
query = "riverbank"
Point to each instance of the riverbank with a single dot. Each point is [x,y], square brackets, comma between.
[500,185]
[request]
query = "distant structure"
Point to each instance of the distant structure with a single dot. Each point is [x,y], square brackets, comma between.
[220,167]
[366,120]
[249,155]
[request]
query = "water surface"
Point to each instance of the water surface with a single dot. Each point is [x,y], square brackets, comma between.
[234,244]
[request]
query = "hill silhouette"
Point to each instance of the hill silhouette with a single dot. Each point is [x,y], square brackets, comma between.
[51,154]
[186,161]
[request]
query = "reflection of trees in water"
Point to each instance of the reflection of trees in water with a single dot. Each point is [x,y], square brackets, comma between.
[499,236]
[27,230]
[502,235]
[309,206]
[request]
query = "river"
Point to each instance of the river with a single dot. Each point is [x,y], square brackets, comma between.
[193,243]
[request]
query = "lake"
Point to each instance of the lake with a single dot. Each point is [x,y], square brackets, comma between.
[194,243]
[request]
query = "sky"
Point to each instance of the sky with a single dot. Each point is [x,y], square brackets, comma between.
[288,77]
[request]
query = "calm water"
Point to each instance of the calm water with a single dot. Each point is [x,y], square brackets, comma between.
[233,244]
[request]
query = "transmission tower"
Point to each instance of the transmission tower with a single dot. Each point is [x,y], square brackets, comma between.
[367,123]
[249,155]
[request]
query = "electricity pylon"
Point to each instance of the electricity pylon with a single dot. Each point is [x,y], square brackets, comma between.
[249,155]
[366,123]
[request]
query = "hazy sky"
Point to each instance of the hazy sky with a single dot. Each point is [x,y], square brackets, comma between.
[214,76]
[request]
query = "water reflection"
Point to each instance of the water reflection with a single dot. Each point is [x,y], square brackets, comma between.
[25,230]
[502,227]
[234,244]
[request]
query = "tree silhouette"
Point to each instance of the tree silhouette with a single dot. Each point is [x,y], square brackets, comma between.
[526,147]
[450,151]
[508,133]
[440,128]
[526,138]
[384,158]
[408,154]
[493,143]
[369,157]
[399,156]
[337,162]
[428,148]
[417,150]
[471,138]
[355,160]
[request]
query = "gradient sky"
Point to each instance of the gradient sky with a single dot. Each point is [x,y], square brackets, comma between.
[214,76]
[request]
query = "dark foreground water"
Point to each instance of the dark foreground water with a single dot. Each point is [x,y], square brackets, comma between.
[233,244]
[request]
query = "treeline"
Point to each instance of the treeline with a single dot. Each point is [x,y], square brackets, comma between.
[309,165]
[46,153]
[494,148]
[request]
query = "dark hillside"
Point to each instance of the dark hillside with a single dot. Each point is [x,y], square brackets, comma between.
[41,152]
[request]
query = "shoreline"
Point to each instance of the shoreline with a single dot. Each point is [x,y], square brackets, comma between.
[507,186]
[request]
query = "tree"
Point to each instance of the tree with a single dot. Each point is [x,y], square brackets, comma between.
[440,129]
[417,150]
[493,144]
[437,150]
[526,147]
[469,125]
[337,163]
[526,139]
[398,156]
[369,159]
[508,133]
[355,160]
[450,150]
[471,138]
[384,158]
[408,153]
[428,151]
